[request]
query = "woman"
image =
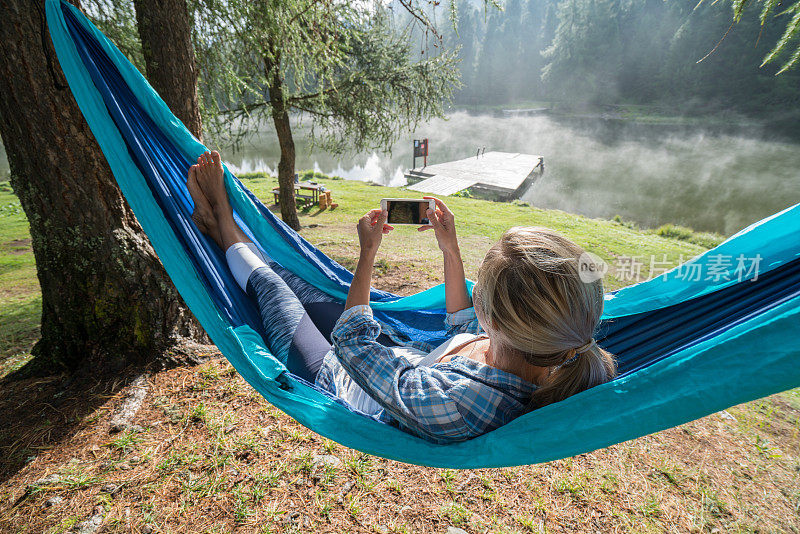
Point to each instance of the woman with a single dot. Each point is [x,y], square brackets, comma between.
[527,341]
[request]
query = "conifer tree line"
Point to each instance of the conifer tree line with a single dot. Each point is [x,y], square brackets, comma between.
[625,51]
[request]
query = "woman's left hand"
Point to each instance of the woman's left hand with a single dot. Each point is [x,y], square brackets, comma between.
[371,228]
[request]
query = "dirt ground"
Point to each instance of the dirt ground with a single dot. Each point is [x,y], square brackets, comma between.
[206,453]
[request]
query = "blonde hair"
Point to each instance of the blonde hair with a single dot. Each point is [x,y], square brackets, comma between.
[533,303]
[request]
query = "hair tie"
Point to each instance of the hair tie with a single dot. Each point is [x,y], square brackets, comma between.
[580,350]
[586,347]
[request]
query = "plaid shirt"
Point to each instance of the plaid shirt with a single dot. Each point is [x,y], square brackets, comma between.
[446,402]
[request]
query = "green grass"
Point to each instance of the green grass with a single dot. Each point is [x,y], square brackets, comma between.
[125,442]
[20,298]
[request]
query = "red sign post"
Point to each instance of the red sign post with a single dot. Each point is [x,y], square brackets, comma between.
[421,150]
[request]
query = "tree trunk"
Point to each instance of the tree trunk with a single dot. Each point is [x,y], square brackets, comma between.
[280,117]
[286,168]
[106,299]
[166,34]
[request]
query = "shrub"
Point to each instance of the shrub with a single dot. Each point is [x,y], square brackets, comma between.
[316,175]
[627,224]
[253,175]
[674,231]
[704,239]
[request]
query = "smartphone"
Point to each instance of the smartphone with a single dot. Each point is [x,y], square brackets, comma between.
[408,210]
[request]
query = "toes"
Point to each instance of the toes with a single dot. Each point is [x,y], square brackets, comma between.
[192,184]
[215,157]
[200,161]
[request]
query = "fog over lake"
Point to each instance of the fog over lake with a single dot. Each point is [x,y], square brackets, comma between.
[652,174]
[715,179]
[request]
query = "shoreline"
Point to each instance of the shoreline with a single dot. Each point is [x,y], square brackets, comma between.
[782,123]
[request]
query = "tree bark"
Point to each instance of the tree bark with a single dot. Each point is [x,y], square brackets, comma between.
[283,128]
[166,33]
[286,168]
[106,300]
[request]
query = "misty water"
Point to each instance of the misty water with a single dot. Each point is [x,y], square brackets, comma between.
[713,179]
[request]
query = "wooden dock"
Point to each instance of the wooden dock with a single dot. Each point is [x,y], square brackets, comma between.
[501,175]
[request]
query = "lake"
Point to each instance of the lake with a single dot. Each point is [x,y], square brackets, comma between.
[709,178]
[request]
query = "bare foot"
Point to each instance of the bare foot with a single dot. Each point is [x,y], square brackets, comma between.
[210,177]
[203,214]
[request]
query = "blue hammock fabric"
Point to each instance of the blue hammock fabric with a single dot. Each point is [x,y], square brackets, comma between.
[686,348]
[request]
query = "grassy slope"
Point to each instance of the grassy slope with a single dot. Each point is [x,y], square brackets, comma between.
[213,456]
[20,298]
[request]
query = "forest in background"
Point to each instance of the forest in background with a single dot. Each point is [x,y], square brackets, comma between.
[596,52]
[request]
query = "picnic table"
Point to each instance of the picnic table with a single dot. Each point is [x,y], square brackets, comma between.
[311,197]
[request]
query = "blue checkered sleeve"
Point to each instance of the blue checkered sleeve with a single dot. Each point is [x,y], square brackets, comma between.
[462,322]
[422,400]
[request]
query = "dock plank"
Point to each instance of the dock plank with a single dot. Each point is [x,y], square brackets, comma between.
[501,170]
[442,185]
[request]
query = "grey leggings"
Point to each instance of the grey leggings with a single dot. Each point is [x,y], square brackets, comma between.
[290,332]
[297,318]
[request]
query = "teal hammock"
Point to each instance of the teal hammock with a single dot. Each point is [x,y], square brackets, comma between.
[688,345]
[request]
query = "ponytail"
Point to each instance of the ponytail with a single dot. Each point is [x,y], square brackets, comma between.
[580,371]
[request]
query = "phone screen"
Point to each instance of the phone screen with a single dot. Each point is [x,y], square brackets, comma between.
[407,212]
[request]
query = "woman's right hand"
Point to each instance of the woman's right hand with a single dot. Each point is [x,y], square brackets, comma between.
[371,228]
[443,223]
